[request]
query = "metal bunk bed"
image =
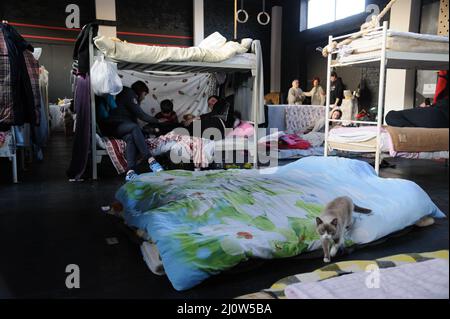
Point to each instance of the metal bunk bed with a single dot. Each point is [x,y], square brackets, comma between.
[387,59]
[187,67]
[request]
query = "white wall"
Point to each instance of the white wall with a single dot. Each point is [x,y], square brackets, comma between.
[199,21]
[106,10]
[400,84]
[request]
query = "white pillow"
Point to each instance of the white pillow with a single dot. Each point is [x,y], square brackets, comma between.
[247,43]
[214,41]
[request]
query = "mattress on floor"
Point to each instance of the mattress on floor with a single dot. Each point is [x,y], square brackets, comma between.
[424,280]
[369,47]
[205,223]
[277,291]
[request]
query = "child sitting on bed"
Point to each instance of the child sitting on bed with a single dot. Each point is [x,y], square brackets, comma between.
[167,115]
[168,120]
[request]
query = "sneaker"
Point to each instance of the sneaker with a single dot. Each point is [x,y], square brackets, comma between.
[131,176]
[155,167]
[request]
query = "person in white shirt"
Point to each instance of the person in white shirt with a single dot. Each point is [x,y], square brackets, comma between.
[296,95]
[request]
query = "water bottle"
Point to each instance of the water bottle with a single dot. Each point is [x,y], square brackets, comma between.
[155,166]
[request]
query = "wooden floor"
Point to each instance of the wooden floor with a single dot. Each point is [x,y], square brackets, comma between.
[47,223]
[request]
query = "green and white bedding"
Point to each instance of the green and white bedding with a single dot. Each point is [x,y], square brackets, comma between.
[204,223]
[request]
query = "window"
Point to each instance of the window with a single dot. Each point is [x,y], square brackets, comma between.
[325,11]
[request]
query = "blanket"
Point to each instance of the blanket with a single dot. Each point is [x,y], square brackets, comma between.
[208,51]
[426,280]
[183,146]
[277,291]
[7,145]
[301,117]
[204,223]
[2,138]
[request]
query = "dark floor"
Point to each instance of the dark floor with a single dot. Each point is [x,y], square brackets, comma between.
[47,223]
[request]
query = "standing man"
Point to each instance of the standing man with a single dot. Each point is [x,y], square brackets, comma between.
[296,95]
[337,90]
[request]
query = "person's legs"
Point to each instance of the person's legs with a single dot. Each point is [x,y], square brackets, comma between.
[398,119]
[427,117]
[132,134]
[131,152]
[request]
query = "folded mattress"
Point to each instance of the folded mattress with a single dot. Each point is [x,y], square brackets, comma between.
[413,143]
[370,46]
[409,139]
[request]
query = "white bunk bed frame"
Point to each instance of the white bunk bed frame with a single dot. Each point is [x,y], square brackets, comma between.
[386,60]
[187,67]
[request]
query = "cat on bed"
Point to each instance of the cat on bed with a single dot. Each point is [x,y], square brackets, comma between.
[336,219]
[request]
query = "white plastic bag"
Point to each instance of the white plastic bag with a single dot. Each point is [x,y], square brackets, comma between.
[105,78]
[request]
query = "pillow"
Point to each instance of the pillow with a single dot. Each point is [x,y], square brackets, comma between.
[214,41]
[245,129]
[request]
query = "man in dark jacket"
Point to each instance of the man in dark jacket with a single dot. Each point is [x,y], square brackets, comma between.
[337,90]
[123,122]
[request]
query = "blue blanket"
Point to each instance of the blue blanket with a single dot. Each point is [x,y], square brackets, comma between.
[206,222]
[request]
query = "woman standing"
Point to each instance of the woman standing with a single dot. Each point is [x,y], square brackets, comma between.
[317,94]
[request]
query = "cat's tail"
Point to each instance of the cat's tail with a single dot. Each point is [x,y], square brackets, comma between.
[362,210]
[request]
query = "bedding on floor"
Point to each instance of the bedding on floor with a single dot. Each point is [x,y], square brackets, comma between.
[425,280]
[277,291]
[204,223]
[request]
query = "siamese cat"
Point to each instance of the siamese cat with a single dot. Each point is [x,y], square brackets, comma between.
[334,222]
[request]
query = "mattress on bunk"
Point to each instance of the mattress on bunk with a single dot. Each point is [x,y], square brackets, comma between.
[235,143]
[204,223]
[369,47]
[232,52]
[414,139]
[364,140]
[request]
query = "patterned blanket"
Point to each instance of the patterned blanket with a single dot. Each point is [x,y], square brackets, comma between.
[185,146]
[7,146]
[301,117]
[277,291]
[204,223]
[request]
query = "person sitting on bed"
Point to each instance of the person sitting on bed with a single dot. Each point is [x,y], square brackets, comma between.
[167,114]
[168,120]
[435,116]
[123,123]
[336,114]
[215,119]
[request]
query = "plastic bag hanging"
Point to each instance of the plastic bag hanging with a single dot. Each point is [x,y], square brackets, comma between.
[105,78]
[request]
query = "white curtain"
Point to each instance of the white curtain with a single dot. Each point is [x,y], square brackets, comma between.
[188,92]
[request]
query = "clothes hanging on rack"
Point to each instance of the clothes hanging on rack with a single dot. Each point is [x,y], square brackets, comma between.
[81,51]
[24,80]
[82,140]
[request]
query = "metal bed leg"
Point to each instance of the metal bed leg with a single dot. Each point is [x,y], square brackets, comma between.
[14,169]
